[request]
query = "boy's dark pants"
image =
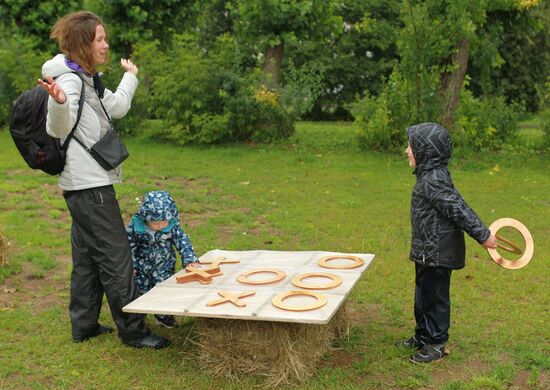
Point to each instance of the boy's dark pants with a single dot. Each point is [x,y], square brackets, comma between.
[102,262]
[432,304]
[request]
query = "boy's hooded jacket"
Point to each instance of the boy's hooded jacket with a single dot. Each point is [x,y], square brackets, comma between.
[439,214]
[153,251]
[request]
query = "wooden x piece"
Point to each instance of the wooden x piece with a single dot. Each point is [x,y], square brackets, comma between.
[220,260]
[233,298]
[202,275]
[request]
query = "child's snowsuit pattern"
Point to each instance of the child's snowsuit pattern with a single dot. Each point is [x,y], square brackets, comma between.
[153,254]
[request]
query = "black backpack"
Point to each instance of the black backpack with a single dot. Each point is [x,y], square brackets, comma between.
[28,130]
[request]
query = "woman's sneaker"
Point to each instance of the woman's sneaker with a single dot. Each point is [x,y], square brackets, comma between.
[429,353]
[166,321]
[413,342]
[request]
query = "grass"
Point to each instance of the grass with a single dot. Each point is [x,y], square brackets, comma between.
[318,192]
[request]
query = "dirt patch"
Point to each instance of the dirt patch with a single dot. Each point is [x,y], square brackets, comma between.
[342,359]
[37,293]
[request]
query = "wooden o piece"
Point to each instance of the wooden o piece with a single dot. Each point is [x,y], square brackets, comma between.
[529,244]
[279,275]
[357,262]
[277,301]
[298,281]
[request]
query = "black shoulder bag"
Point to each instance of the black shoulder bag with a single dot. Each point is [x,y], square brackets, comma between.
[109,151]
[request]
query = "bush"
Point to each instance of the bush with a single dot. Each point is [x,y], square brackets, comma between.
[20,67]
[544,97]
[381,121]
[204,97]
[486,123]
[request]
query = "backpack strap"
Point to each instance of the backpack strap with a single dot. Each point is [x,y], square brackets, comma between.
[65,144]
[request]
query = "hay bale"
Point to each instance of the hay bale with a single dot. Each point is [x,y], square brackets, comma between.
[282,352]
[3,250]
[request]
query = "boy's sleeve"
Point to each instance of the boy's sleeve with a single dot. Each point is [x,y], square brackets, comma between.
[185,248]
[448,201]
[132,241]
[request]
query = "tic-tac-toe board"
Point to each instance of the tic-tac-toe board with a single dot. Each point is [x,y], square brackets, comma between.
[226,297]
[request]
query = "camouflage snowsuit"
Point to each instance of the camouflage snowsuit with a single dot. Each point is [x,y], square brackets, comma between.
[153,254]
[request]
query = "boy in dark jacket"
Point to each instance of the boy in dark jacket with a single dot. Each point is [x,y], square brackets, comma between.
[439,215]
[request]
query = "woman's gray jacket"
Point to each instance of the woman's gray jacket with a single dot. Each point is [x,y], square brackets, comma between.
[81,170]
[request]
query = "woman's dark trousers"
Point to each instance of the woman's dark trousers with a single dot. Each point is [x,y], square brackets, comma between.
[102,263]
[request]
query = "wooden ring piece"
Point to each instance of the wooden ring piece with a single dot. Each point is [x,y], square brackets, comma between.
[357,262]
[336,281]
[279,275]
[529,244]
[277,301]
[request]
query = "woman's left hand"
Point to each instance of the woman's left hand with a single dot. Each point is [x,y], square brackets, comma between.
[129,66]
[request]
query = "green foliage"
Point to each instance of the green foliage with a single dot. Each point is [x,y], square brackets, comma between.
[132,21]
[381,121]
[544,98]
[357,59]
[485,123]
[269,23]
[512,53]
[35,18]
[20,67]
[203,97]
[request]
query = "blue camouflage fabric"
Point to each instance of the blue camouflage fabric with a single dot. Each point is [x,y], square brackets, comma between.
[153,254]
[439,214]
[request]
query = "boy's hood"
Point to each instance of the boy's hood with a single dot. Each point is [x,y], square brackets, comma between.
[156,206]
[55,67]
[431,145]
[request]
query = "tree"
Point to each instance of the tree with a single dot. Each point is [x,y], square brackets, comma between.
[437,42]
[131,21]
[36,18]
[515,58]
[269,25]
[357,61]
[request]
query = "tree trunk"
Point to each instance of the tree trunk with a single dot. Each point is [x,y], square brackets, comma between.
[452,82]
[273,63]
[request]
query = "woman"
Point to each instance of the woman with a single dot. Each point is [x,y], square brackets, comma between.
[102,261]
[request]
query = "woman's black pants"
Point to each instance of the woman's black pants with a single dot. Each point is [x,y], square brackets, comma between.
[432,304]
[102,263]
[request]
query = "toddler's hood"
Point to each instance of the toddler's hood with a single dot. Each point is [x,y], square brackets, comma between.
[431,145]
[157,206]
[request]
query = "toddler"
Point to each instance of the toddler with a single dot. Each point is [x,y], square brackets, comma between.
[153,233]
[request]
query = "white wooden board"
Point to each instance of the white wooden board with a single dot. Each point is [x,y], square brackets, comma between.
[190,299]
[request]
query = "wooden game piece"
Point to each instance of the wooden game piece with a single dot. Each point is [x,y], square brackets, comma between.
[298,281]
[233,298]
[526,254]
[202,275]
[279,275]
[357,262]
[219,261]
[277,301]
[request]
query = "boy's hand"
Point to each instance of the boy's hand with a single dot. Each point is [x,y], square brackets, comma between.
[194,265]
[491,242]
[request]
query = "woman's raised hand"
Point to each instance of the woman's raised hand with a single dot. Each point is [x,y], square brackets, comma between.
[129,66]
[53,90]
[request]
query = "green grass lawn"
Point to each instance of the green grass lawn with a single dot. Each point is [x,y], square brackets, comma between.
[317,192]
